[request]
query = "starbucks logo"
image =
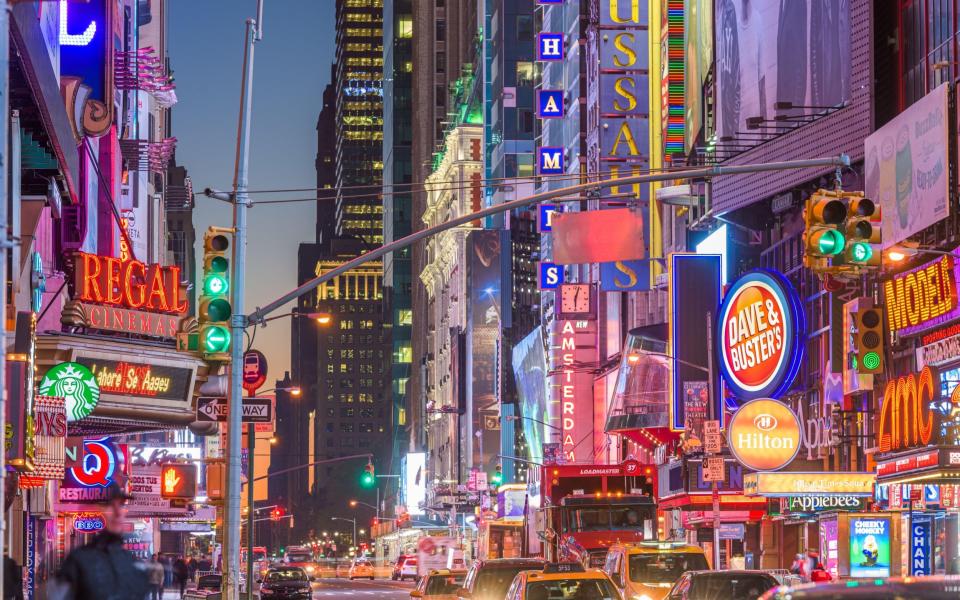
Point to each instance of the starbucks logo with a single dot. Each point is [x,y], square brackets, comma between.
[74,383]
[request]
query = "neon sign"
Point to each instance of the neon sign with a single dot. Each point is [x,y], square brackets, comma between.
[923,297]
[131,284]
[572,342]
[70,39]
[759,337]
[906,417]
[88,522]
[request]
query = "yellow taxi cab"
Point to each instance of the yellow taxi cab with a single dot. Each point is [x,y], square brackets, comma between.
[647,570]
[563,581]
[361,569]
[439,584]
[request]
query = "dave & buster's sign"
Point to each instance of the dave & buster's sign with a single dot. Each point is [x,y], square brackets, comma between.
[759,338]
[128,296]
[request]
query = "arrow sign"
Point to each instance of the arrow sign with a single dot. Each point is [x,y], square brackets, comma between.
[211,409]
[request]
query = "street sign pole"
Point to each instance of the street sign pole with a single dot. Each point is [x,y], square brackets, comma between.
[251,457]
[711,406]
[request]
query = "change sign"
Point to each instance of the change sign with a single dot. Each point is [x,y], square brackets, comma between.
[213,409]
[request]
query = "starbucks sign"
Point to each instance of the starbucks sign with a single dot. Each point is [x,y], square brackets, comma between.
[76,385]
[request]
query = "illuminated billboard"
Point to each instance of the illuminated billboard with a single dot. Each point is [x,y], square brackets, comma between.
[414,482]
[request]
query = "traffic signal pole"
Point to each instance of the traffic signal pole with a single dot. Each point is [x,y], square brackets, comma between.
[238,321]
[258,315]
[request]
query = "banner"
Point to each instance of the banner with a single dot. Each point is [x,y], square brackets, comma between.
[598,236]
[50,428]
[907,168]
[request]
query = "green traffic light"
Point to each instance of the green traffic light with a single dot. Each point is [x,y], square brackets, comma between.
[871,360]
[830,242]
[496,479]
[861,252]
[366,480]
[216,339]
[215,285]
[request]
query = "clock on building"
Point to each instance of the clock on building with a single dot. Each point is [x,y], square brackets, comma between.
[576,301]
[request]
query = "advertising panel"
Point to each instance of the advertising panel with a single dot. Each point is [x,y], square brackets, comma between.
[694,293]
[483,359]
[777,52]
[787,484]
[76,385]
[830,547]
[760,335]
[50,429]
[86,64]
[940,347]
[415,482]
[921,545]
[141,380]
[530,372]
[764,435]
[625,276]
[598,236]
[698,33]
[923,297]
[432,553]
[869,547]
[906,170]
[99,463]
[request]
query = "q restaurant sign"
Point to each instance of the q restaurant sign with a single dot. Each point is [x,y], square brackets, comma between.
[126,296]
[759,339]
[923,297]
[764,435]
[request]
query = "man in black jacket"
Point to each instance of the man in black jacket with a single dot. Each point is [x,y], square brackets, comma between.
[102,569]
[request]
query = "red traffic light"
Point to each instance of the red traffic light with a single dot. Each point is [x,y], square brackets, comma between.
[277,513]
[178,481]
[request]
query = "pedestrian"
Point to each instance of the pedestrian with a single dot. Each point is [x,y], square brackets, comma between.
[205,564]
[12,579]
[180,574]
[167,570]
[102,569]
[155,577]
[799,565]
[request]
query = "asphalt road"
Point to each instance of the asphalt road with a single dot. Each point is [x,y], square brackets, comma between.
[382,589]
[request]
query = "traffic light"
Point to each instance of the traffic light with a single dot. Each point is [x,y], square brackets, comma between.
[825,211]
[215,309]
[497,478]
[862,228]
[277,513]
[868,340]
[178,480]
[368,478]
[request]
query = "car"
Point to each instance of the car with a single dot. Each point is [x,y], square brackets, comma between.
[408,570]
[490,579]
[209,582]
[896,588]
[395,575]
[361,569]
[285,582]
[439,584]
[722,585]
[647,570]
[562,580]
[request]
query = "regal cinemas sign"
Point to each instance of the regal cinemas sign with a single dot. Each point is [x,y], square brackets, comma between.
[126,296]
[924,297]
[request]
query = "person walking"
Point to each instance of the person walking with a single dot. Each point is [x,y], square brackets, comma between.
[167,570]
[102,569]
[180,574]
[155,577]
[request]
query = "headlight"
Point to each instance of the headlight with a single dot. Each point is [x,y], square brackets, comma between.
[266,591]
[309,569]
[642,597]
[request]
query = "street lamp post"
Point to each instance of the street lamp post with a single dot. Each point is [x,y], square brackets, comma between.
[354,521]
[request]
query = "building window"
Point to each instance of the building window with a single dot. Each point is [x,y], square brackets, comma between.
[329,442]
[404,26]
[346,427]
[366,427]
[404,354]
[441,63]
[526,73]
[441,31]
[404,316]
[525,28]
[525,121]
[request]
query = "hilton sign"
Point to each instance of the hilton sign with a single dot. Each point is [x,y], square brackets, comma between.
[126,296]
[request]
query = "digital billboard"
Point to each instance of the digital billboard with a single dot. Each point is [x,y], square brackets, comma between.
[529,363]
[414,482]
[775,52]
[870,547]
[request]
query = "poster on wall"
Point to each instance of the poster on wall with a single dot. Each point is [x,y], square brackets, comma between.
[906,170]
[777,52]
[829,547]
[869,547]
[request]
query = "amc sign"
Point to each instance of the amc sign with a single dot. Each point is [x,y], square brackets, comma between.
[914,415]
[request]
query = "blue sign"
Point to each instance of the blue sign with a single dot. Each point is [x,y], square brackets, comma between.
[546,216]
[549,46]
[760,332]
[550,104]
[931,494]
[550,1]
[625,276]
[921,556]
[551,275]
[550,161]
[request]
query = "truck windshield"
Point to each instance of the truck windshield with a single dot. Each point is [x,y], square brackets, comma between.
[295,557]
[607,518]
[665,567]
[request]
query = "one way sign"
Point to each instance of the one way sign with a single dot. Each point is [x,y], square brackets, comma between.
[214,408]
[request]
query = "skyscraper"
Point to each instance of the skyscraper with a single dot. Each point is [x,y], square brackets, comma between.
[359,139]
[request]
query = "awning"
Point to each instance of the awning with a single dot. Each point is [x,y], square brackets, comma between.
[940,465]
[28,41]
[123,407]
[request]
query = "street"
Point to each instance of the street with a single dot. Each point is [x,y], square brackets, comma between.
[344,588]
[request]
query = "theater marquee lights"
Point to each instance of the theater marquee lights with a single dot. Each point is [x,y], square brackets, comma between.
[760,331]
[906,417]
[924,297]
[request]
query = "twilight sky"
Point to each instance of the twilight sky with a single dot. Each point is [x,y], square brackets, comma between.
[291,68]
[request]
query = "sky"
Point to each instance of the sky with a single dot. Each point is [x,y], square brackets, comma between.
[291,68]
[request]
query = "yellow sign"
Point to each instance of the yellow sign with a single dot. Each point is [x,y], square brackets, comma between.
[803,484]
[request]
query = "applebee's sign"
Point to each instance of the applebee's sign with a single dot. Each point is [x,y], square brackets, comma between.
[760,329]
